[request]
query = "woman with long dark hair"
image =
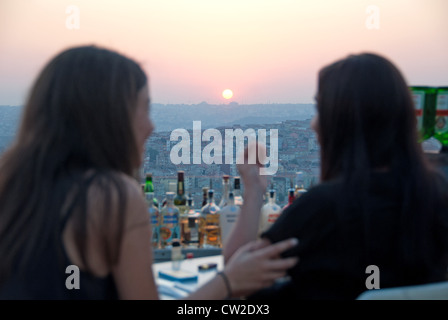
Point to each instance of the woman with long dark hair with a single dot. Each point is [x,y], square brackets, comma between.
[379,202]
[68,196]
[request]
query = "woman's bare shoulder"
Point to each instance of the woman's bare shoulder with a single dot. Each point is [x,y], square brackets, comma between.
[119,197]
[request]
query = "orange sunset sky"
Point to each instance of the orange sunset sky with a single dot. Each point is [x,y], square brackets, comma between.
[263,50]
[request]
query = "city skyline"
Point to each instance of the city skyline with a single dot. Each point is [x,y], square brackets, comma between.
[298,150]
[265,51]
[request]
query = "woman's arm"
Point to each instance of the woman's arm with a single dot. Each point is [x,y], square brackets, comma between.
[133,273]
[254,266]
[247,224]
[246,227]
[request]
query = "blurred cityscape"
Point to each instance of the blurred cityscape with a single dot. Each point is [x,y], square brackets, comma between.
[298,149]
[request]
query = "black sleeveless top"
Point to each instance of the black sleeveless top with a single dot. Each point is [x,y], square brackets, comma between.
[45,278]
[337,246]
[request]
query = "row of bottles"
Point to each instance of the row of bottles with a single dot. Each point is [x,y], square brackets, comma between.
[176,219]
[431,104]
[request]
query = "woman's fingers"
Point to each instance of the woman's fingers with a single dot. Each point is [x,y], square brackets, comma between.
[258,264]
[252,158]
[251,154]
[270,278]
[259,244]
[276,249]
[281,264]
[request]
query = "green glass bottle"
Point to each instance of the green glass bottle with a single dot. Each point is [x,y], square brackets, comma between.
[425,105]
[149,187]
[441,120]
[180,201]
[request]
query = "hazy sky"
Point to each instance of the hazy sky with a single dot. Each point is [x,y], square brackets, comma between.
[263,50]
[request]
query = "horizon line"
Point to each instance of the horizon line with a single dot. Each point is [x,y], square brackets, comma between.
[233,103]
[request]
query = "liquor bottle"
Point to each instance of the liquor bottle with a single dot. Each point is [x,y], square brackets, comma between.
[237,191]
[169,222]
[155,220]
[204,196]
[225,191]
[211,229]
[228,216]
[149,187]
[441,121]
[180,201]
[191,223]
[291,198]
[269,212]
[299,187]
[425,107]
[183,216]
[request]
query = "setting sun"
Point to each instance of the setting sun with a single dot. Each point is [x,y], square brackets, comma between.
[227,94]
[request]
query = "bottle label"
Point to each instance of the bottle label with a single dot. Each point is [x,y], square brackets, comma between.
[165,233]
[231,218]
[442,114]
[170,219]
[180,188]
[154,216]
[212,219]
[212,235]
[212,229]
[273,217]
[168,234]
[169,229]
[194,235]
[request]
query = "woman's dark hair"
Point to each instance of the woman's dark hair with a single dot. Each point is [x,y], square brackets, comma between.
[78,118]
[367,122]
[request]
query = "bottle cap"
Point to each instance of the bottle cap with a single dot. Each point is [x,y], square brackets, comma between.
[190,255]
[176,243]
[226,177]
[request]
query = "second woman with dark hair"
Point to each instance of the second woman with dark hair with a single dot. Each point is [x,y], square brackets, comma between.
[378,203]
